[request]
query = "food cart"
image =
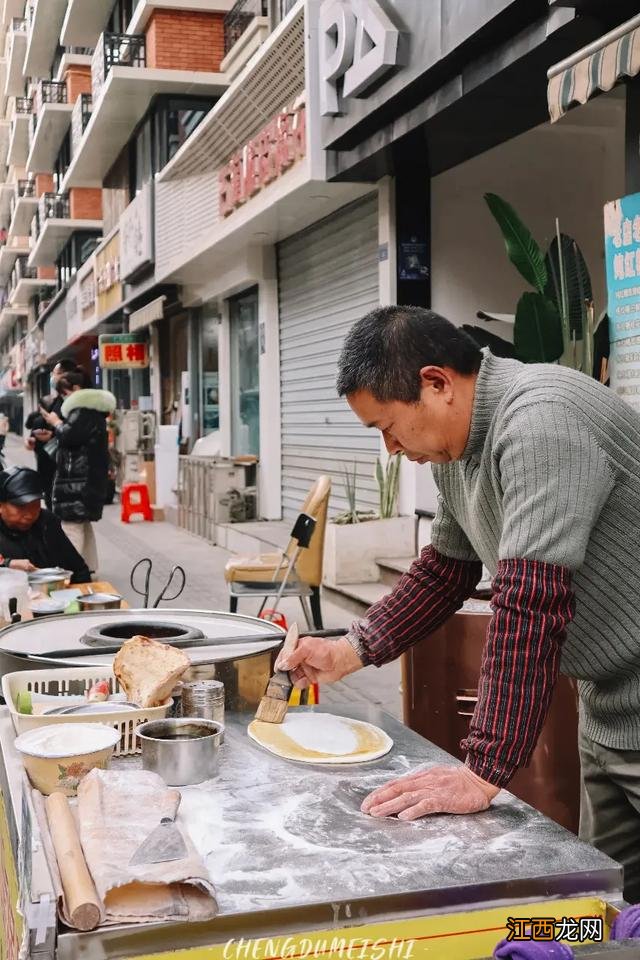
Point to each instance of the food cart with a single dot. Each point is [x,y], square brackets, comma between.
[299,871]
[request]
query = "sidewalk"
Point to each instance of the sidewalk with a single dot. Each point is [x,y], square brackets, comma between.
[120,545]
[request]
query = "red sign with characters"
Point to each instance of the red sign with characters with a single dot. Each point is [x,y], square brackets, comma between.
[123,350]
[275,149]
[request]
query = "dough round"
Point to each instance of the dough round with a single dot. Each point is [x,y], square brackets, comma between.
[321,738]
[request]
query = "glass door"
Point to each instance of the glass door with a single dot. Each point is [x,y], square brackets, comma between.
[245,389]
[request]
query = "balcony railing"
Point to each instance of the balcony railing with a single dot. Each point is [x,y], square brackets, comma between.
[50,91]
[21,271]
[54,206]
[26,188]
[116,50]
[19,25]
[79,119]
[239,18]
[24,105]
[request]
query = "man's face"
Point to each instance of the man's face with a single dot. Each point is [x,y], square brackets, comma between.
[56,374]
[434,429]
[20,516]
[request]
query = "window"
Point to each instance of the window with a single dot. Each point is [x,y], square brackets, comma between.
[168,124]
[121,16]
[78,248]
[62,162]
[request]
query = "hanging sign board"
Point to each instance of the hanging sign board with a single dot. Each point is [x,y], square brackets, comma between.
[622,256]
[122,351]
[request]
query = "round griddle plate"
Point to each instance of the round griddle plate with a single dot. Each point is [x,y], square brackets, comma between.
[38,638]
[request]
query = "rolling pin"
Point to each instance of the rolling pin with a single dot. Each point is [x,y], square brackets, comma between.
[83,904]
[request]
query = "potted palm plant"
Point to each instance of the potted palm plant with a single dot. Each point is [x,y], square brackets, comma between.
[355,539]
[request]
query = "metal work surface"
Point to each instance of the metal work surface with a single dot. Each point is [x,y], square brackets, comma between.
[287,847]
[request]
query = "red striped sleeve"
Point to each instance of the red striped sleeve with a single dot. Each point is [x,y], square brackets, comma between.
[428,594]
[533,605]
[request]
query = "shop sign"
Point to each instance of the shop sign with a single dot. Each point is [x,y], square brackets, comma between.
[263,159]
[358,45]
[87,291]
[107,276]
[136,234]
[622,256]
[122,351]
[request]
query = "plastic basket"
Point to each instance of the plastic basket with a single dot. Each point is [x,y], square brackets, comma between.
[75,681]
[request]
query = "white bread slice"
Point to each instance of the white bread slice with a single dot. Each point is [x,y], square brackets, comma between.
[148,671]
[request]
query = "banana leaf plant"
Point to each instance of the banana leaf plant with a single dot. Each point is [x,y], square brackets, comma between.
[556,320]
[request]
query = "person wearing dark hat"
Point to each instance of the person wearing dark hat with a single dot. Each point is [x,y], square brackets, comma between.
[31,537]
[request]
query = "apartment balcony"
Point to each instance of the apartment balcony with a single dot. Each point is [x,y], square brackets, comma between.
[50,123]
[19,139]
[9,252]
[52,226]
[24,204]
[6,196]
[14,55]
[25,283]
[246,27]
[84,21]
[5,138]
[123,87]
[45,21]
[10,9]
[80,118]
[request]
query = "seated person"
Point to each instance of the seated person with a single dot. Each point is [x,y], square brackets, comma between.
[31,537]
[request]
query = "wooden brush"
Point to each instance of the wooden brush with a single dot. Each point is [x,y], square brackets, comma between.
[273,706]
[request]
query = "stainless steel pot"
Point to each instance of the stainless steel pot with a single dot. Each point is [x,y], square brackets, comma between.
[100,601]
[181,751]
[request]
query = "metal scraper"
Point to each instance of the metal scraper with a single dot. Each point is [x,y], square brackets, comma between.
[163,844]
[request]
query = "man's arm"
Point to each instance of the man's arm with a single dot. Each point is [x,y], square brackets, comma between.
[63,552]
[555,481]
[437,584]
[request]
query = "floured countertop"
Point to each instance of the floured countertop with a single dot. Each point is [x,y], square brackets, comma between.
[276,834]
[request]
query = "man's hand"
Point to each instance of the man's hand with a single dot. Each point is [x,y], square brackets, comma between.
[30,443]
[437,790]
[317,660]
[24,565]
[43,435]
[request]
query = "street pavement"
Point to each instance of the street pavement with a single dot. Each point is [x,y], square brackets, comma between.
[120,545]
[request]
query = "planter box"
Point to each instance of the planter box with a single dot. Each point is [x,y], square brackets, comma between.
[350,551]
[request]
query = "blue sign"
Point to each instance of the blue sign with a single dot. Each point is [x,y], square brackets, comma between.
[622,257]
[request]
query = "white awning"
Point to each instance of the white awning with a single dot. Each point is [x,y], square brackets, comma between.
[148,314]
[595,68]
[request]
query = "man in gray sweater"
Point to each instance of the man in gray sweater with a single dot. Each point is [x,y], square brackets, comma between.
[538,472]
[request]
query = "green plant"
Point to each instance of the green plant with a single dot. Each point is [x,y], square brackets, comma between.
[388,486]
[555,321]
[350,487]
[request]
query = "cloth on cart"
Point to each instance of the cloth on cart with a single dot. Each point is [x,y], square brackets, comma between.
[626,925]
[532,950]
[117,809]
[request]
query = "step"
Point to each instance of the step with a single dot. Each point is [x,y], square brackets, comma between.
[392,568]
[355,598]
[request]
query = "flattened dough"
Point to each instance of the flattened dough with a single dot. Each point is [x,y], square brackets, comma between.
[321,738]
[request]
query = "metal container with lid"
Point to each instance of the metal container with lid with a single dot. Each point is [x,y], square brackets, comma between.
[203,698]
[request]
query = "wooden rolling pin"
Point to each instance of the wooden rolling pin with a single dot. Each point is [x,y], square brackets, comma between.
[83,904]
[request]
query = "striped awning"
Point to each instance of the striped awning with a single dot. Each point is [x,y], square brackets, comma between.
[595,68]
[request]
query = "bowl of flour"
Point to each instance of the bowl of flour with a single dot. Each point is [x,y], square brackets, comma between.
[58,757]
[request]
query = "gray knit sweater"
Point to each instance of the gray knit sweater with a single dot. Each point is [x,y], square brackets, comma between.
[551,472]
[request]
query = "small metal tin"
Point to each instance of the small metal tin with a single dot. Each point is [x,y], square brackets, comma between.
[181,751]
[203,698]
[100,601]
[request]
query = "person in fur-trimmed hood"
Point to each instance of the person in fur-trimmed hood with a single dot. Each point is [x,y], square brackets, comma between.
[82,461]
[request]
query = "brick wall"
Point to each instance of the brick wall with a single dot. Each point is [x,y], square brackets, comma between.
[85,203]
[185,40]
[46,273]
[78,80]
[44,183]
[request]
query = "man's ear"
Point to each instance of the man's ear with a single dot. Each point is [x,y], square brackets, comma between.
[437,380]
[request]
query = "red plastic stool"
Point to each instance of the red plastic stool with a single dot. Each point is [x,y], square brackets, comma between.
[134,498]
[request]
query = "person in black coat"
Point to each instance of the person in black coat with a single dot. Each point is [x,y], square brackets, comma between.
[31,537]
[82,461]
[40,435]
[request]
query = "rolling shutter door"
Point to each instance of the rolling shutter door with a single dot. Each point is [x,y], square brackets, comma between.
[328,279]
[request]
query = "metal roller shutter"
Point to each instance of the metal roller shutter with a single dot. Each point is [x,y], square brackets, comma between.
[328,278]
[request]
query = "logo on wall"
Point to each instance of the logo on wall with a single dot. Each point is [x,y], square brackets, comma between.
[358,45]
[263,159]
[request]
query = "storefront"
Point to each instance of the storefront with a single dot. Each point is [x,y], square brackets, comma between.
[449,113]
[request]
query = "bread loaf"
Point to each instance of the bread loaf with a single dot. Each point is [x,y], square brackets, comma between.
[147,670]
